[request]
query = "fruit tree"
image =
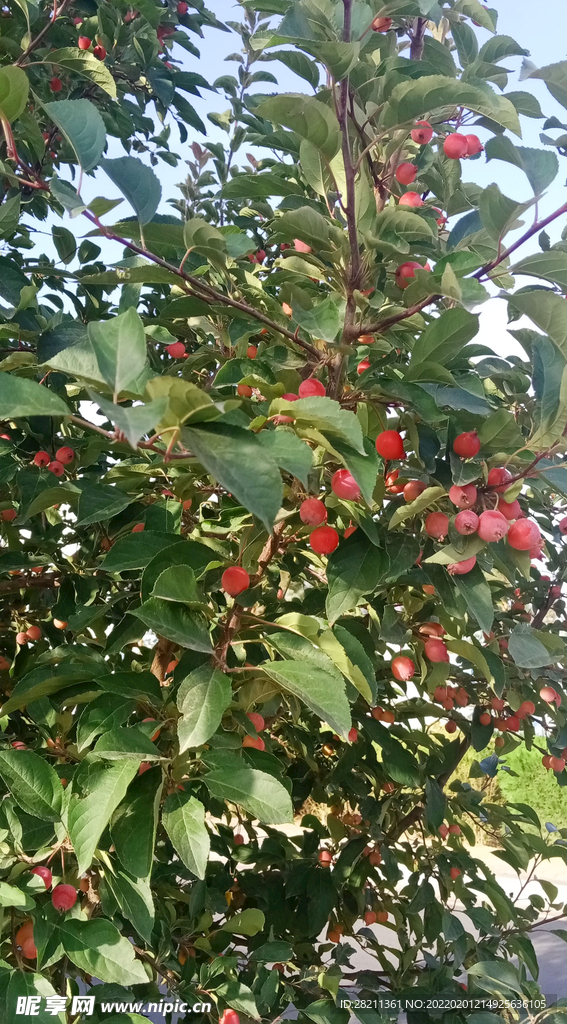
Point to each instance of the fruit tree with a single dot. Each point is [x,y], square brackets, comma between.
[282,541]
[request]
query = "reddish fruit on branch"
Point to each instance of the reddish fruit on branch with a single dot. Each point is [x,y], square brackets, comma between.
[239,840]
[411,199]
[403,668]
[344,485]
[324,540]
[461,568]
[463,497]
[437,525]
[182,7]
[257,720]
[83,42]
[369,917]
[474,145]
[548,694]
[244,390]
[523,534]
[443,831]
[290,397]
[351,528]
[422,133]
[300,246]
[454,830]
[8,515]
[499,478]
[510,509]
[21,639]
[229,1017]
[455,146]
[55,84]
[406,173]
[254,741]
[312,511]
[235,580]
[325,858]
[311,388]
[466,522]
[389,445]
[467,445]
[65,455]
[251,351]
[563,526]
[485,718]
[413,489]
[352,738]
[406,272]
[436,650]
[56,467]
[450,726]
[363,366]
[139,528]
[99,52]
[44,873]
[367,339]
[24,940]
[381,24]
[454,873]
[176,350]
[492,526]
[64,897]
[33,633]
[391,484]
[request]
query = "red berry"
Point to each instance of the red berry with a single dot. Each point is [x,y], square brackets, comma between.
[229,1017]
[311,388]
[300,246]
[182,7]
[8,515]
[367,339]
[64,455]
[344,485]
[563,525]
[463,497]
[252,351]
[474,145]
[244,390]
[349,531]
[57,468]
[455,146]
[436,650]
[461,568]
[466,522]
[55,84]
[548,694]
[510,509]
[381,24]
[454,830]
[450,726]
[239,840]
[413,489]
[437,525]
[492,526]
[485,718]
[77,21]
[411,199]
[443,831]
[254,741]
[369,917]
[64,897]
[290,397]
[176,350]
[139,528]
[557,764]
[406,173]
[41,458]
[235,580]
[523,534]
[454,873]
[422,133]
[99,52]
[512,723]
[325,857]
[403,668]
[257,720]
[312,511]
[33,633]
[363,366]
[352,735]
[405,272]
[83,43]
[44,873]
[21,638]
[467,445]
[324,540]
[498,479]
[389,445]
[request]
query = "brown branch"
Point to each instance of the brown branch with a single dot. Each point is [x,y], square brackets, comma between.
[23,582]
[417,36]
[57,12]
[383,325]
[537,226]
[200,290]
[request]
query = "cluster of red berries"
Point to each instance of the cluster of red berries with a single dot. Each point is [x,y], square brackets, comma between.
[63,457]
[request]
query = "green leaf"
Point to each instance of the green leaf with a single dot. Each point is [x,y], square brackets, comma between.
[299,64]
[353,571]
[548,311]
[395,224]
[288,452]
[33,783]
[21,398]
[98,948]
[134,900]
[321,321]
[323,693]
[228,453]
[120,348]
[338,57]
[554,76]
[184,821]
[64,241]
[246,922]
[83,127]
[9,216]
[11,896]
[412,100]
[118,743]
[551,266]
[307,117]
[97,503]
[84,63]
[97,789]
[478,596]
[258,793]
[526,650]
[134,823]
[496,976]
[135,552]
[188,629]
[500,432]
[14,91]
[435,804]
[100,715]
[202,698]
[325,415]
[260,186]
[178,583]
[136,421]
[497,212]
[444,338]
[138,184]
[540,165]
[427,497]
[398,762]
[201,237]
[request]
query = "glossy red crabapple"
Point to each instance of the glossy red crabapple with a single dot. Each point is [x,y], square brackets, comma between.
[83,42]
[311,388]
[64,897]
[390,445]
[363,366]
[176,350]
[256,719]
[413,489]
[422,133]
[474,145]
[411,199]
[466,522]
[462,568]
[406,173]
[467,445]
[463,497]
[235,580]
[344,485]
[406,272]
[324,540]
[437,525]
[510,509]
[492,526]
[403,668]
[381,24]
[498,479]
[455,146]
[99,52]
[55,84]
[44,873]
[563,525]
[312,511]
[523,534]
[436,650]
[65,455]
